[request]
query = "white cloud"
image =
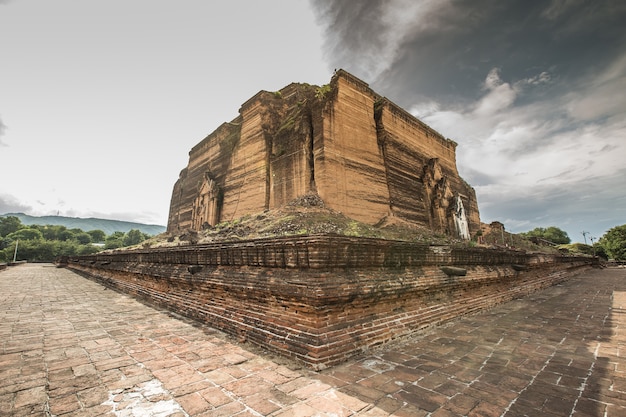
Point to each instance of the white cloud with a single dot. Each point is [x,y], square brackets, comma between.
[534,155]
[498,99]
[493,79]
[542,78]
[502,95]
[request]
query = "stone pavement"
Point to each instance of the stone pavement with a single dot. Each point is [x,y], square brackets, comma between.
[70,347]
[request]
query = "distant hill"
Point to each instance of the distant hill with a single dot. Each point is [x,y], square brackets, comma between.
[107,226]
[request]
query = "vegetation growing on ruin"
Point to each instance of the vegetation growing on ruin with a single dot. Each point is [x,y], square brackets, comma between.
[322,91]
[289,121]
[306,215]
[228,144]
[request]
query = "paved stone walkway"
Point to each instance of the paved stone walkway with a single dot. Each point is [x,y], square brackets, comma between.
[70,347]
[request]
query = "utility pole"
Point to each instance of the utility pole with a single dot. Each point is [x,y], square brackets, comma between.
[585,236]
[15,253]
[592,246]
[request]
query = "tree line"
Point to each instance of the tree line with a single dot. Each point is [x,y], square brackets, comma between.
[612,245]
[37,243]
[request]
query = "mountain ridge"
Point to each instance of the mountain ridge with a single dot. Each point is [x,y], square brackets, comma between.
[88,224]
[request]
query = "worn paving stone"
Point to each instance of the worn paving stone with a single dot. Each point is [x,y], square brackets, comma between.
[70,347]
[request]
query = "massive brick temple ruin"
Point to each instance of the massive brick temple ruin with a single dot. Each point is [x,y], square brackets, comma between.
[362,154]
[323,298]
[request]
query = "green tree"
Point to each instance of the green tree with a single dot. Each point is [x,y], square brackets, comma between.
[87,250]
[52,232]
[134,237]
[114,240]
[26,233]
[5,242]
[66,235]
[9,224]
[97,235]
[551,234]
[599,251]
[44,251]
[83,238]
[614,242]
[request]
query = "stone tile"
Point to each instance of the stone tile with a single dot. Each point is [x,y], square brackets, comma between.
[64,405]
[36,395]
[197,386]
[180,380]
[421,398]
[364,392]
[461,404]
[294,385]
[193,403]
[215,396]
[486,409]
[351,403]
[311,389]
[261,404]
[274,376]
[227,410]
[218,377]
[93,396]
[248,386]
[389,404]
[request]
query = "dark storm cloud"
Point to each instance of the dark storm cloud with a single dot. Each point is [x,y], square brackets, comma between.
[444,49]
[352,28]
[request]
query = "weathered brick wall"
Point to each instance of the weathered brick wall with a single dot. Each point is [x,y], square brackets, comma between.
[323,299]
[363,155]
[350,171]
[409,147]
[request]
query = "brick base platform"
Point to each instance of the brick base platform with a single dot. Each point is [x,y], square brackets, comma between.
[323,299]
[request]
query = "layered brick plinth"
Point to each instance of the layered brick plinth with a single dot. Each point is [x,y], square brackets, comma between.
[323,299]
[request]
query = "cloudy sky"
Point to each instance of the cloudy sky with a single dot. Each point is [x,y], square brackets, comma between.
[101,101]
